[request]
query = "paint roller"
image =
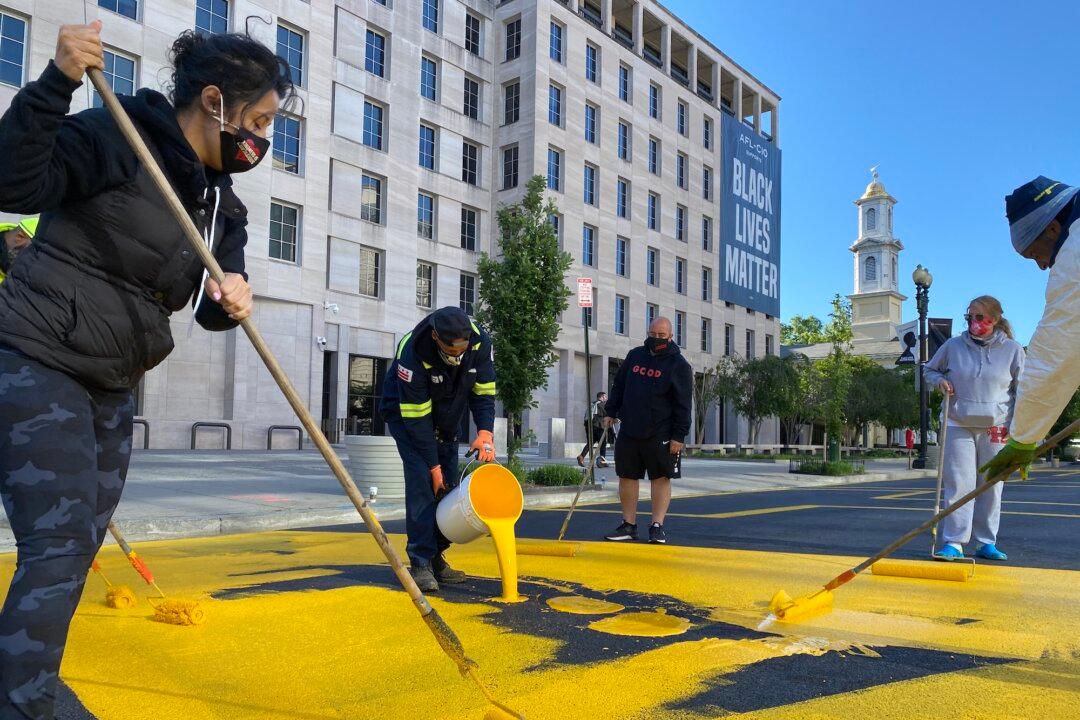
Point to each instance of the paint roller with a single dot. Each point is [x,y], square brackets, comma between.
[784,608]
[446,638]
[118,597]
[955,572]
[172,611]
[559,548]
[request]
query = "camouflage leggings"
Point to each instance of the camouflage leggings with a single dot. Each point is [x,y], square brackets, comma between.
[64,454]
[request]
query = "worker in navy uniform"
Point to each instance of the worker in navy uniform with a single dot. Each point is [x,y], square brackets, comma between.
[442,368]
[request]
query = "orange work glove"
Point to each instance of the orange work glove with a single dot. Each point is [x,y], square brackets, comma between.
[484,445]
[437,484]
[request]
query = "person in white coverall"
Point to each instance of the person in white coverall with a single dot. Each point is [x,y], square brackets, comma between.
[979,370]
[1044,222]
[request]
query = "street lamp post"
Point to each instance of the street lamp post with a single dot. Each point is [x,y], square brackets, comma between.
[923,280]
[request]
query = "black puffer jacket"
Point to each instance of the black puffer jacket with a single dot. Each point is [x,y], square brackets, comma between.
[93,294]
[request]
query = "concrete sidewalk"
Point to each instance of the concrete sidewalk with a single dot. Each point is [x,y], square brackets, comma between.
[188,493]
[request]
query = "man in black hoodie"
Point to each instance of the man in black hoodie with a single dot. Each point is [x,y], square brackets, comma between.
[651,395]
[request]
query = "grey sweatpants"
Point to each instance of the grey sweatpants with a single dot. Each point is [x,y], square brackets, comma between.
[966,450]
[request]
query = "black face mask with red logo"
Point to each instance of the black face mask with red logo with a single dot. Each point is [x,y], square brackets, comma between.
[656,345]
[241,150]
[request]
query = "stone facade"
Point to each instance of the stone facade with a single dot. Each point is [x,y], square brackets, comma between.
[335,306]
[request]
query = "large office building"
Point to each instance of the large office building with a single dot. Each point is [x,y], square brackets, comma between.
[417,120]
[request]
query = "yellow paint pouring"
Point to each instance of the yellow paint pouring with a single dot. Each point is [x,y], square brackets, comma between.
[496,497]
[642,624]
[577,605]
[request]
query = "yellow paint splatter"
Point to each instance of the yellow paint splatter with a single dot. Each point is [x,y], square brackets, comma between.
[577,605]
[642,624]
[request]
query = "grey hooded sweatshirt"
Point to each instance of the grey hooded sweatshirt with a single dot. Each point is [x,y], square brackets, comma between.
[984,377]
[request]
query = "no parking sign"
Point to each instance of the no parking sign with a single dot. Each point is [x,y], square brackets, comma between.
[584,292]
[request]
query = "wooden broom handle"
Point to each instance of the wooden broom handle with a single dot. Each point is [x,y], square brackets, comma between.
[197,243]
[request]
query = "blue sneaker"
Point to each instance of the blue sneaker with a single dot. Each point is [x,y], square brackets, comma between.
[989,551]
[949,553]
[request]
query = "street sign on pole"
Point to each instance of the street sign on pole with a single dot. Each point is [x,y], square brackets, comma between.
[584,291]
[584,300]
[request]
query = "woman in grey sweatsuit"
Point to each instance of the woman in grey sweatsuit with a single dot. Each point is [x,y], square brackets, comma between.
[980,370]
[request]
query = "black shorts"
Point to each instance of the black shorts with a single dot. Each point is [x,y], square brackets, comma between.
[637,457]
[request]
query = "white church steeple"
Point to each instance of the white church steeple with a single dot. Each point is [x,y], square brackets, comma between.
[876,303]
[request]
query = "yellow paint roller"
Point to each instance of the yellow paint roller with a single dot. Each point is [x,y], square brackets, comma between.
[118,597]
[166,610]
[555,549]
[561,548]
[787,609]
[957,572]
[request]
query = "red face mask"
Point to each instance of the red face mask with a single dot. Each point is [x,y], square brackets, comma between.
[980,328]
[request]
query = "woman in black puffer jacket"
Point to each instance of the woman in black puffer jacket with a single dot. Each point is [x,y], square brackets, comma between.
[85,313]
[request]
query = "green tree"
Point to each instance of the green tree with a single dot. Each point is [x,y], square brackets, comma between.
[706,395]
[796,405]
[802,330]
[810,330]
[754,387]
[901,409]
[522,294]
[867,394]
[839,328]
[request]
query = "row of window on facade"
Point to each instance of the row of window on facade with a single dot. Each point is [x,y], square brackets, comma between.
[679,327]
[211,16]
[557,51]
[589,257]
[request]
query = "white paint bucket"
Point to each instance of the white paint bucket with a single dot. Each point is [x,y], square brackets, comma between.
[491,492]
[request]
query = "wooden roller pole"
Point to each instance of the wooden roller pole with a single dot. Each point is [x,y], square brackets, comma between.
[451,645]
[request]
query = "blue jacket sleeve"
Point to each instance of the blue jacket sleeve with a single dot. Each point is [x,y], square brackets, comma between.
[50,157]
[414,404]
[482,397]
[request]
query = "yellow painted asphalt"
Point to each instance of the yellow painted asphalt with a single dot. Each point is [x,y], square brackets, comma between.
[308,625]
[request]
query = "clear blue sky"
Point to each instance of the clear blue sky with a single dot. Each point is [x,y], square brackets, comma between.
[956,105]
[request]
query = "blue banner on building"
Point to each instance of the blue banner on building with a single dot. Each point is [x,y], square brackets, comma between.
[749,219]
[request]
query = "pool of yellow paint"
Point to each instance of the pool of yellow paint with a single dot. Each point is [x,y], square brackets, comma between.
[642,624]
[496,497]
[279,656]
[578,605]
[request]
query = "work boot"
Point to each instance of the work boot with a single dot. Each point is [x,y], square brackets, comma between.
[626,531]
[656,534]
[424,578]
[444,573]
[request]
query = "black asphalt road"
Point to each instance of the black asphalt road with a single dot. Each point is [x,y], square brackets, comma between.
[1040,522]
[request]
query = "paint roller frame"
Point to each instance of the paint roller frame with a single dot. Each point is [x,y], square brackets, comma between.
[560,547]
[958,571]
[787,609]
[443,634]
